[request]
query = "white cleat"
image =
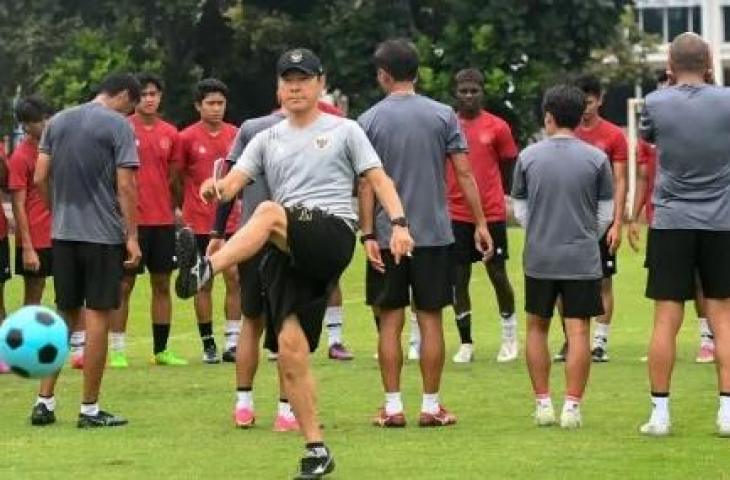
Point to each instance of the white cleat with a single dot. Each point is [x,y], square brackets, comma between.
[723,426]
[654,428]
[414,352]
[571,419]
[465,353]
[508,352]
[544,415]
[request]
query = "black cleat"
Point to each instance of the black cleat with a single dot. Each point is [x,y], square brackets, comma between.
[316,463]
[193,271]
[210,355]
[229,356]
[599,355]
[560,356]
[41,416]
[101,419]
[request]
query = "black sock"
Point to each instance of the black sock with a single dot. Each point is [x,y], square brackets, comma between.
[463,323]
[284,400]
[725,394]
[313,445]
[244,389]
[660,394]
[160,334]
[206,334]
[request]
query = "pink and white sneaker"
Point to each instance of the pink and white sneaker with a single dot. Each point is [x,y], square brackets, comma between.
[4,368]
[244,418]
[286,423]
[706,353]
[77,361]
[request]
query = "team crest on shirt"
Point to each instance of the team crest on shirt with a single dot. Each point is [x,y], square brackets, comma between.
[201,149]
[165,143]
[322,142]
[485,139]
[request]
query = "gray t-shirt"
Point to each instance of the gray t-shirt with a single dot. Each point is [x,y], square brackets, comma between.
[562,179]
[315,166]
[87,144]
[690,126]
[414,136]
[257,191]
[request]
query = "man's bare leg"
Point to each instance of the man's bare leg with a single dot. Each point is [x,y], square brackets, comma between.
[538,366]
[718,311]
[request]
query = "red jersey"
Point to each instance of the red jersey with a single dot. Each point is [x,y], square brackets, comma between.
[490,142]
[3,220]
[197,150]
[21,167]
[647,157]
[607,137]
[155,147]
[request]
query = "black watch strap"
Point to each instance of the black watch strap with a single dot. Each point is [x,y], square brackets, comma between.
[367,236]
[399,222]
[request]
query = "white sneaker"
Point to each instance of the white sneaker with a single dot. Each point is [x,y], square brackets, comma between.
[656,428]
[413,352]
[465,353]
[571,419]
[508,352]
[723,426]
[272,356]
[544,415]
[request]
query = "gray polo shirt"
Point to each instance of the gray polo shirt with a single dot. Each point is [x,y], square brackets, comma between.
[562,179]
[315,166]
[87,145]
[690,126]
[413,136]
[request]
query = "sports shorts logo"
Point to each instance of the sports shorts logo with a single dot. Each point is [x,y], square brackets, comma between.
[322,142]
[305,215]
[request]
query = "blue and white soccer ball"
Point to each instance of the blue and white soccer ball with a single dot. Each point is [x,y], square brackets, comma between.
[34,342]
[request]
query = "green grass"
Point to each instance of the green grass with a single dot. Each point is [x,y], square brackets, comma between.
[181,428]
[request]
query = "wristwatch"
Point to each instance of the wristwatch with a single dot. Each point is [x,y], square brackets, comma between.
[214,234]
[399,222]
[367,236]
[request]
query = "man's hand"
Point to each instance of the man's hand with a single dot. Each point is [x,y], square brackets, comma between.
[208,191]
[401,243]
[613,238]
[634,235]
[483,241]
[372,250]
[134,254]
[31,262]
[214,245]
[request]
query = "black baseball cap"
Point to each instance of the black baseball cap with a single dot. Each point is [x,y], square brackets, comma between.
[300,59]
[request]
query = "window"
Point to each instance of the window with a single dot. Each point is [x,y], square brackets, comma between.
[677,21]
[697,20]
[726,22]
[654,21]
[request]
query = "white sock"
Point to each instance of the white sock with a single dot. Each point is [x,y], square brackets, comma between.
[415,338]
[90,409]
[705,332]
[544,400]
[724,411]
[285,410]
[509,326]
[571,403]
[49,402]
[233,328]
[333,320]
[430,403]
[78,339]
[600,336]
[117,342]
[393,403]
[660,413]
[244,399]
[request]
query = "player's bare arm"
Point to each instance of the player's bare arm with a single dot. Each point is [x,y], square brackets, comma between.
[613,236]
[127,196]
[31,261]
[366,213]
[225,189]
[41,177]
[639,201]
[469,187]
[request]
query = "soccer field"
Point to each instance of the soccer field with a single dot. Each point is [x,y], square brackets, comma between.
[180,418]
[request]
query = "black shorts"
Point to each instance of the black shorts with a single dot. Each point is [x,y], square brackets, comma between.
[87,274]
[45,255]
[252,292]
[202,241]
[157,243]
[581,298]
[466,252]
[5,273]
[675,258]
[429,274]
[300,282]
[608,259]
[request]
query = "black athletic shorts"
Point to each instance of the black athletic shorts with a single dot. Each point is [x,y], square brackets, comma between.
[157,243]
[429,274]
[252,292]
[5,273]
[202,241]
[581,298]
[608,259]
[300,282]
[45,255]
[87,274]
[675,258]
[465,251]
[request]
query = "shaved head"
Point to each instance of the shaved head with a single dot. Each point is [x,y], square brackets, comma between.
[688,53]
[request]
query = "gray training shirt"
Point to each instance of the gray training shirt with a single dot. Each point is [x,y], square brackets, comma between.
[313,166]
[258,191]
[87,144]
[413,136]
[690,126]
[562,179]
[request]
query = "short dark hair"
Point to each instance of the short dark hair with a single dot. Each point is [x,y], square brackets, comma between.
[589,84]
[469,75]
[566,103]
[209,85]
[116,83]
[32,109]
[146,78]
[399,58]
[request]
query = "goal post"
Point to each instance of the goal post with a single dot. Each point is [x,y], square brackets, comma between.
[634,106]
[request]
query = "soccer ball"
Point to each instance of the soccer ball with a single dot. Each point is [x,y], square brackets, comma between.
[34,342]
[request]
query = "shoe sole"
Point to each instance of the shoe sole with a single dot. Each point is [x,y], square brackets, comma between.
[246,426]
[704,360]
[327,470]
[44,423]
[185,250]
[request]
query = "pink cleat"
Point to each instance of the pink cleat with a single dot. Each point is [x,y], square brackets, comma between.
[286,423]
[339,352]
[244,418]
[77,361]
[4,368]
[706,353]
